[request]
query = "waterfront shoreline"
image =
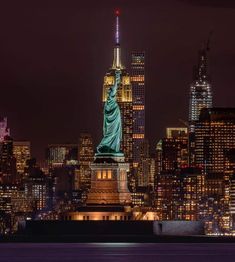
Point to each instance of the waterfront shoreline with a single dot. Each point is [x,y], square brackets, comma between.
[114,239]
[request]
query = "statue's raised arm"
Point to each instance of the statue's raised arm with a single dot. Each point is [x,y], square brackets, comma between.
[112,126]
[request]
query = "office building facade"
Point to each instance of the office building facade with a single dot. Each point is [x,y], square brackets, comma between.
[138,93]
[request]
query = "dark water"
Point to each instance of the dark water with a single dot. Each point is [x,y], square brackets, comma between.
[117,252]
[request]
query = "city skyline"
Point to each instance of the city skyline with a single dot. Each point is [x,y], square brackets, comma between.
[118,120]
[52,90]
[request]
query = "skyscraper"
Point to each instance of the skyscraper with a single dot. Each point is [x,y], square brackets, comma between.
[36,185]
[7,162]
[146,168]
[167,188]
[4,130]
[214,152]
[179,194]
[124,95]
[214,137]
[21,151]
[200,90]
[86,157]
[59,154]
[200,97]
[172,150]
[138,94]
[86,150]
[192,191]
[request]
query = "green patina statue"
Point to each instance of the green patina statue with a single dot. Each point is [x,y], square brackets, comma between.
[112,126]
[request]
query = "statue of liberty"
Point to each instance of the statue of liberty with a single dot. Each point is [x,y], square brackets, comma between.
[112,126]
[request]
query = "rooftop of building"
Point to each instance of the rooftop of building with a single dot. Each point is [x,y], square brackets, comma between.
[217,114]
[101,208]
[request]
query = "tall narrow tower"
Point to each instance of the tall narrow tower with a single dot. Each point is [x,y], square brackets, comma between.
[138,90]
[200,90]
[200,97]
[86,156]
[124,94]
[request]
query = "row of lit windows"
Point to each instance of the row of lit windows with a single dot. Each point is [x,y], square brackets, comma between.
[103,217]
[104,174]
[138,136]
[138,107]
[139,78]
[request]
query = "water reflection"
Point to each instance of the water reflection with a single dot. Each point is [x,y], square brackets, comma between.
[76,252]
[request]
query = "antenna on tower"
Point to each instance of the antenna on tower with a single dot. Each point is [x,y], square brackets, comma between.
[117,49]
[117,34]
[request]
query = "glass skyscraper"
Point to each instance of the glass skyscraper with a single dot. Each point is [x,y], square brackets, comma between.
[214,137]
[200,97]
[138,93]
[200,90]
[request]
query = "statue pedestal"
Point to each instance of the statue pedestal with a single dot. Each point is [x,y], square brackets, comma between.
[109,181]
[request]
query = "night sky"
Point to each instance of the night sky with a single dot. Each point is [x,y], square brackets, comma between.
[54,55]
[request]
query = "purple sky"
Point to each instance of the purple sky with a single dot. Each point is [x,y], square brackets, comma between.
[54,55]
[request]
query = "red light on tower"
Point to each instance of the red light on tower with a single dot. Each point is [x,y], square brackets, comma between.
[117,12]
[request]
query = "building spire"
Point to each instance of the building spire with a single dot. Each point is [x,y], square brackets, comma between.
[117,49]
[202,65]
[202,70]
[117,12]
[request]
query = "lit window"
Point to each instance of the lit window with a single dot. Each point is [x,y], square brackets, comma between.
[104,175]
[99,174]
[109,174]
